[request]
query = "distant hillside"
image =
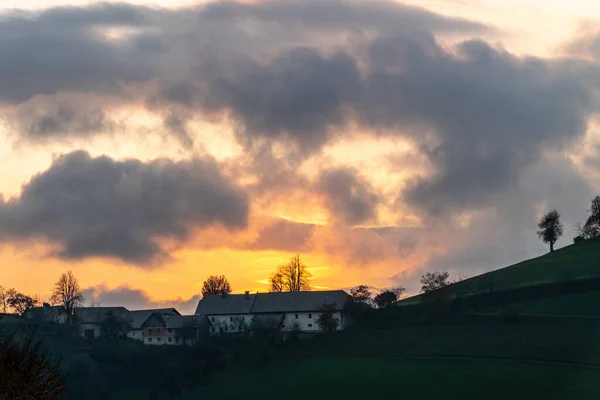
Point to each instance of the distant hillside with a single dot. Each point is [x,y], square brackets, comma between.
[577,261]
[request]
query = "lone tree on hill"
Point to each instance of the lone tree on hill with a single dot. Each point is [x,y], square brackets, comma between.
[216,285]
[434,280]
[592,225]
[550,228]
[67,293]
[291,277]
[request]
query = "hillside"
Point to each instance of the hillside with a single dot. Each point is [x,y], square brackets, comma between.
[574,262]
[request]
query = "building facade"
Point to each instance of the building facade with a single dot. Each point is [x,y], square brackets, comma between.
[284,311]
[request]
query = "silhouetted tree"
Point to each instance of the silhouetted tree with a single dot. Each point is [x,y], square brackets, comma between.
[3,300]
[361,294]
[67,293]
[112,327]
[20,302]
[431,281]
[27,370]
[593,222]
[550,228]
[386,298]
[326,319]
[291,277]
[216,285]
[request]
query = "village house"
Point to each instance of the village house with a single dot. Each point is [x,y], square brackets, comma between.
[93,322]
[285,311]
[47,313]
[173,329]
[138,317]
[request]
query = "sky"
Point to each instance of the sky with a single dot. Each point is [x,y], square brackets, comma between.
[147,145]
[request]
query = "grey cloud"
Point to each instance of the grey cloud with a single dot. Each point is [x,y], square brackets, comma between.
[337,15]
[298,96]
[349,196]
[136,299]
[491,112]
[39,120]
[284,235]
[99,207]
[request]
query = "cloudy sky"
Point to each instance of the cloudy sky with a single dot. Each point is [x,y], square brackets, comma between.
[146,145]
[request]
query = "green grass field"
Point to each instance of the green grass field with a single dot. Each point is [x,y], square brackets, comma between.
[574,304]
[353,378]
[577,261]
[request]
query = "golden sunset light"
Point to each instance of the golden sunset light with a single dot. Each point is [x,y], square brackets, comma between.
[155,147]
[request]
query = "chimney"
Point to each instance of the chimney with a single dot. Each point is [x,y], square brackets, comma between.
[46,305]
[247,295]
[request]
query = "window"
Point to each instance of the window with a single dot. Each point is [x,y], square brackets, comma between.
[212,319]
[309,315]
[230,318]
[170,339]
[212,328]
[296,316]
[159,339]
[283,326]
[133,334]
[149,339]
[149,330]
[170,330]
[243,318]
[310,325]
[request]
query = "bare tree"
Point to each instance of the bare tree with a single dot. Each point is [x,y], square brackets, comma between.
[550,228]
[20,303]
[291,277]
[276,282]
[216,285]
[434,280]
[67,293]
[3,300]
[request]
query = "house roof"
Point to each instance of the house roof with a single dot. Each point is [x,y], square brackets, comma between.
[90,315]
[138,317]
[298,301]
[175,321]
[270,302]
[228,304]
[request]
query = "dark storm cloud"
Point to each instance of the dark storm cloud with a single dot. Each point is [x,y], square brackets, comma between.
[91,207]
[63,48]
[297,96]
[349,197]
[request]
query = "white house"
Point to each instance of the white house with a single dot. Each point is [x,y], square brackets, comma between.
[285,311]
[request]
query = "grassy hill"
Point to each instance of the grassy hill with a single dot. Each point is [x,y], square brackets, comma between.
[574,262]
